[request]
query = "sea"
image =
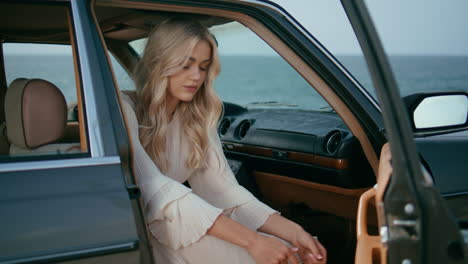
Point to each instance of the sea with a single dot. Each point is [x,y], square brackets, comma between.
[256,81]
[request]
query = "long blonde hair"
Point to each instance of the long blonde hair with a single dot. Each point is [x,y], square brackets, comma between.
[167,50]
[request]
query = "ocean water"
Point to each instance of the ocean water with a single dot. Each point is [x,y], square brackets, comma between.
[261,80]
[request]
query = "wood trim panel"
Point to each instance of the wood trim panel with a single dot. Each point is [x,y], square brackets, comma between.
[281,191]
[328,162]
[79,88]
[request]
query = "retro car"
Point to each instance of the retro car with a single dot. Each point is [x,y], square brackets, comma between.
[67,189]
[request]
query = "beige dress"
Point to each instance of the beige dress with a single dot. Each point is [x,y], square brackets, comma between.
[178,217]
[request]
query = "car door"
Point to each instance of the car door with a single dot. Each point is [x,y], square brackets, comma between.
[415,223]
[77,207]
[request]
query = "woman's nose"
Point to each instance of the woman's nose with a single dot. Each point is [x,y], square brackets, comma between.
[195,74]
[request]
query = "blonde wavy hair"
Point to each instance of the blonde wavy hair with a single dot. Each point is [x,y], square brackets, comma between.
[168,48]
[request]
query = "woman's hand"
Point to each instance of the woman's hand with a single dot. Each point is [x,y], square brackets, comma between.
[310,249]
[385,163]
[264,249]
[269,250]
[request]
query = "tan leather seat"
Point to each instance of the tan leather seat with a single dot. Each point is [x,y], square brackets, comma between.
[36,117]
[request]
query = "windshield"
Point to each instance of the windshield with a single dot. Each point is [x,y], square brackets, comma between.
[427,47]
[253,75]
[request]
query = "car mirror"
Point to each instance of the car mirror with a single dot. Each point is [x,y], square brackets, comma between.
[438,111]
[441,111]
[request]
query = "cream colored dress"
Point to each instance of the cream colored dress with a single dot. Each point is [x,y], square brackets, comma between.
[179,217]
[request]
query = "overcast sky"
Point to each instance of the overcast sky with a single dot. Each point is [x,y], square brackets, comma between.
[405,26]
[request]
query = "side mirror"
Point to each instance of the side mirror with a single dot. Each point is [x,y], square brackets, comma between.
[438,112]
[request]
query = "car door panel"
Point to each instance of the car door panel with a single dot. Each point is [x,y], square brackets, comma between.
[446,168]
[281,191]
[54,211]
[412,211]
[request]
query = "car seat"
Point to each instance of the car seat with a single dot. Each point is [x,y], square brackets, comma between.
[36,117]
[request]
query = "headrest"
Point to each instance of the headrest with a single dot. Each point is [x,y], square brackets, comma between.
[35,113]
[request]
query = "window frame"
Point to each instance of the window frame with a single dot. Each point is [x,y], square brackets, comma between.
[5,159]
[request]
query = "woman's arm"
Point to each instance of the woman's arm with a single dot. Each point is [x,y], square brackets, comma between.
[309,247]
[262,248]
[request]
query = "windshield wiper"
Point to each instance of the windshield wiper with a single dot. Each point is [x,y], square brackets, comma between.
[327,109]
[270,103]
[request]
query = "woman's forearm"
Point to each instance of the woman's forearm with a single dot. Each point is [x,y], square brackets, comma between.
[281,227]
[231,231]
[263,249]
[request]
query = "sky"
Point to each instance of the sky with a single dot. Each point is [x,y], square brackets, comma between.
[404,26]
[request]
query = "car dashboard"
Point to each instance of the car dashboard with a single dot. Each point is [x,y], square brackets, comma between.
[314,146]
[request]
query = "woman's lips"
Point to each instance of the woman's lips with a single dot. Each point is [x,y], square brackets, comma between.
[190,88]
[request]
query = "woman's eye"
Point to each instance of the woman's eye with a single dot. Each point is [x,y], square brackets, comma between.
[203,69]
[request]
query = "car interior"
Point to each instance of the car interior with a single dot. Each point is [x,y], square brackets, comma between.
[312,166]
[309,165]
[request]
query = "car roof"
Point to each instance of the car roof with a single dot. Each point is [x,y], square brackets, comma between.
[29,22]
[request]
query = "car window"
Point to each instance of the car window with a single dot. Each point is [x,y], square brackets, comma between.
[327,22]
[428,48]
[124,81]
[253,75]
[41,104]
[50,62]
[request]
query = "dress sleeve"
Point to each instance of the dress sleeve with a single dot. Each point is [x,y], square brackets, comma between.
[175,216]
[217,184]
[252,214]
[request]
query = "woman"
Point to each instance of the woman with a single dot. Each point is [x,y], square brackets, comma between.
[172,125]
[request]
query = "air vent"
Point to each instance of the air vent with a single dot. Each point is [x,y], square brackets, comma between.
[333,141]
[224,126]
[244,126]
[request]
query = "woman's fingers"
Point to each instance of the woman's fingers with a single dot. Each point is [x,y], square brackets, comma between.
[292,256]
[322,249]
[315,250]
[312,246]
[304,256]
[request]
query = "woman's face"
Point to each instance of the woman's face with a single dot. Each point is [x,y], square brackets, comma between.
[184,84]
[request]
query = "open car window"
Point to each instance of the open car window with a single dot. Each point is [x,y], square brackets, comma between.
[52,62]
[327,22]
[427,49]
[42,99]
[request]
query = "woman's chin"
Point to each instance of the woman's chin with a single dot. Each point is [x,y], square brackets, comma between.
[187,99]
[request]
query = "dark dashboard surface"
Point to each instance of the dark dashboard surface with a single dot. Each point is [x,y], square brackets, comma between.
[324,150]
[311,145]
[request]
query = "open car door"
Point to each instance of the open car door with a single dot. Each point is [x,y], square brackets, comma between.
[415,223]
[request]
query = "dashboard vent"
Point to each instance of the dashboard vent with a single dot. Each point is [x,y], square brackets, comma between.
[244,126]
[224,126]
[333,141]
